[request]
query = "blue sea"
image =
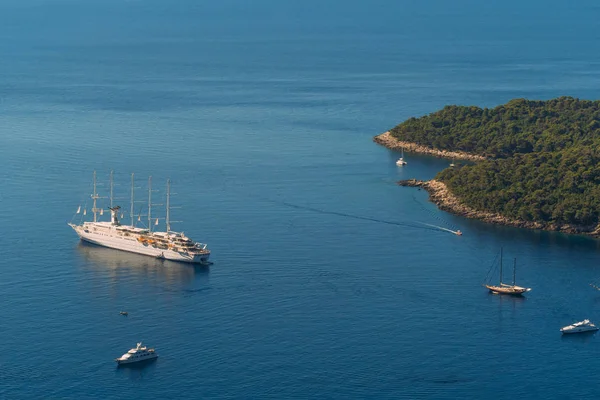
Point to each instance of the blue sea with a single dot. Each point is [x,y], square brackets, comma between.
[326,283]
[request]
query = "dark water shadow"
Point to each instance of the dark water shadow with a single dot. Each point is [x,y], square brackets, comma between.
[507,302]
[117,262]
[441,378]
[582,337]
[137,371]
[514,236]
[508,298]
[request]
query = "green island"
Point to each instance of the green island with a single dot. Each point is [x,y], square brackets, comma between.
[537,163]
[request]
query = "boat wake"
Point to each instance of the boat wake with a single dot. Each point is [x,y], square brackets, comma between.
[416,225]
[434,215]
[441,228]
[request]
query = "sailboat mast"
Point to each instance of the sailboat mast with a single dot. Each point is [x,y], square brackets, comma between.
[150,203]
[168,220]
[515,272]
[131,211]
[501,265]
[95,196]
[111,188]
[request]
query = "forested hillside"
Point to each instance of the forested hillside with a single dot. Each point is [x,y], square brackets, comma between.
[546,157]
[519,126]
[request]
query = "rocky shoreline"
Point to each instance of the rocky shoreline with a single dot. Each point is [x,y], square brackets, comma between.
[440,195]
[445,200]
[387,140]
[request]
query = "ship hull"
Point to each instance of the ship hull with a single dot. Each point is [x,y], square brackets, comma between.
[508,290]
[567,331]
[137,361]
[134,246]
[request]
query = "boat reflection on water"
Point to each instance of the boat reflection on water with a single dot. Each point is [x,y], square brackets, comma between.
[507,299]
[508,306]
[137,371]
[581,337]
[118,262]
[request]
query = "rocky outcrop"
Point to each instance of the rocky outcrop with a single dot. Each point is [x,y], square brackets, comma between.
[386,139]
[445,200]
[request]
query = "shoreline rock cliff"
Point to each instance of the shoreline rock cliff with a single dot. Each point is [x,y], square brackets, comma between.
[387,140]
[440,195]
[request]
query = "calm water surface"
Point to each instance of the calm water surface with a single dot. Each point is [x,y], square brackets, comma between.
[325,281]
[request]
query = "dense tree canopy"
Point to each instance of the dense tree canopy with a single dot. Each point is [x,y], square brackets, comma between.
[546,157]
[519,126]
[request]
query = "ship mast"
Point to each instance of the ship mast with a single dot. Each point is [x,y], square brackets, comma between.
[500,265]
[111,188]
[95,196]
[168,221]
[515,272]
[150,203]
[131,212]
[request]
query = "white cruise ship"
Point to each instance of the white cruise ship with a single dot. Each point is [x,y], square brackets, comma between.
[166,245]
[138,354]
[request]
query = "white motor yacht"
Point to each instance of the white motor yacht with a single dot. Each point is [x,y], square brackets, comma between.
[136,355]
[577,327]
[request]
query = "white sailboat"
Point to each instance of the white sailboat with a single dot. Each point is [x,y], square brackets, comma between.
[401,162]
[168,245]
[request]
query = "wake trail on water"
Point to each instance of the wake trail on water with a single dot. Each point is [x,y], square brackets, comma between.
[412,224]
[415,225]
[454,229]
[441,228]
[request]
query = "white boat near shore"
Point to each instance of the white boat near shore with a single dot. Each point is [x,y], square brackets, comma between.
[579,327]
[400,162]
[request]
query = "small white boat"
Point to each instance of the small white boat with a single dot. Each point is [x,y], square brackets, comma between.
[125,313]
[137,355]
[577,327]
[401,161]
